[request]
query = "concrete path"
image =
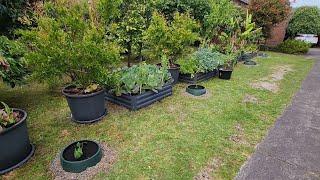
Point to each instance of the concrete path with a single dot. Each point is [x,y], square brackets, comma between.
[291,149]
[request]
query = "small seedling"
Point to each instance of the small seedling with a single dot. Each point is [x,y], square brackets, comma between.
[78,152]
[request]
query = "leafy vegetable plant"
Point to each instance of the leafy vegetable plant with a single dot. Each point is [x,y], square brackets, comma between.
[7,117]
[78,151]
[201,61]
[140,78]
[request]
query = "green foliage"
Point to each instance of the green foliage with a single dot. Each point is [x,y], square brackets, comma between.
[242,35]
[172,38]
[70,41]
[306,20]
[140,78]
[267,13]
[7,117]
[12,64]
[221,17]
[15,14]
[293,47]
[198,8]
[78,151]
[201,61]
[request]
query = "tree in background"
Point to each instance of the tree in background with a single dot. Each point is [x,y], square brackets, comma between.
[306,20]
[267,13]
[16,14]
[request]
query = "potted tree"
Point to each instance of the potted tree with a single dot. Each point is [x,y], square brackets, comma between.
[80,155]
[170,39]
[226,70]
[140,85]
[13,128]
[69,43]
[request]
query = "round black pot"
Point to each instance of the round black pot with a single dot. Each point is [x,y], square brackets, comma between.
[15,147]
[92,155]
[225,74]
[250,63]
[175,71]
[196,90]
[87,108]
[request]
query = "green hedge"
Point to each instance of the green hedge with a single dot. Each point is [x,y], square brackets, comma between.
[293,47]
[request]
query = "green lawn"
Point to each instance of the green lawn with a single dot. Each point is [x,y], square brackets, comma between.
[173,139]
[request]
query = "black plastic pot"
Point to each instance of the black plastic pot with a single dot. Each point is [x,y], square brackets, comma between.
[175,71]
[92,155]
[197,77]
[135,102]
[15,147]
[225,74]
[196,90]
[87,108]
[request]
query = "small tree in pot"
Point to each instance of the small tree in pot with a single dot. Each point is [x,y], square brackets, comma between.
[70,42]
[170,39]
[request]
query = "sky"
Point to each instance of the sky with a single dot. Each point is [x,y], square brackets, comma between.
[299,3]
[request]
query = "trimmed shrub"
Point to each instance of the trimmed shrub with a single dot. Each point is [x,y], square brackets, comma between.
[293,47]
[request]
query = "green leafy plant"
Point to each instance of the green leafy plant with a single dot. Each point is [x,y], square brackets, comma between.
[78,151]
[70,42]
[140,78]
[197,8]
[170,39]
[293,47]
[220,18]
[201,61]
[12,63]
[8,117]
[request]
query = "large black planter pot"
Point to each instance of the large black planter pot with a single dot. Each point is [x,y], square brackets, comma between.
[92,155]
[197,77]
[196,90]
[15,147]
[135,102]
[87,108]
[225,74]
[175,71]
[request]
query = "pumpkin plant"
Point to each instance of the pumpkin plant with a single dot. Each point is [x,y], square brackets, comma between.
[140,78]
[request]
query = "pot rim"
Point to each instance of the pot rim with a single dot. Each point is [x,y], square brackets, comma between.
[16,125]
[202,87]
[77,162]
[221,69]
[82,95]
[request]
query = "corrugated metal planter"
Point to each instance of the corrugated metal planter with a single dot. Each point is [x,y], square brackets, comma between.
[197,77]
[135,102]
[15,147]
[92,155]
